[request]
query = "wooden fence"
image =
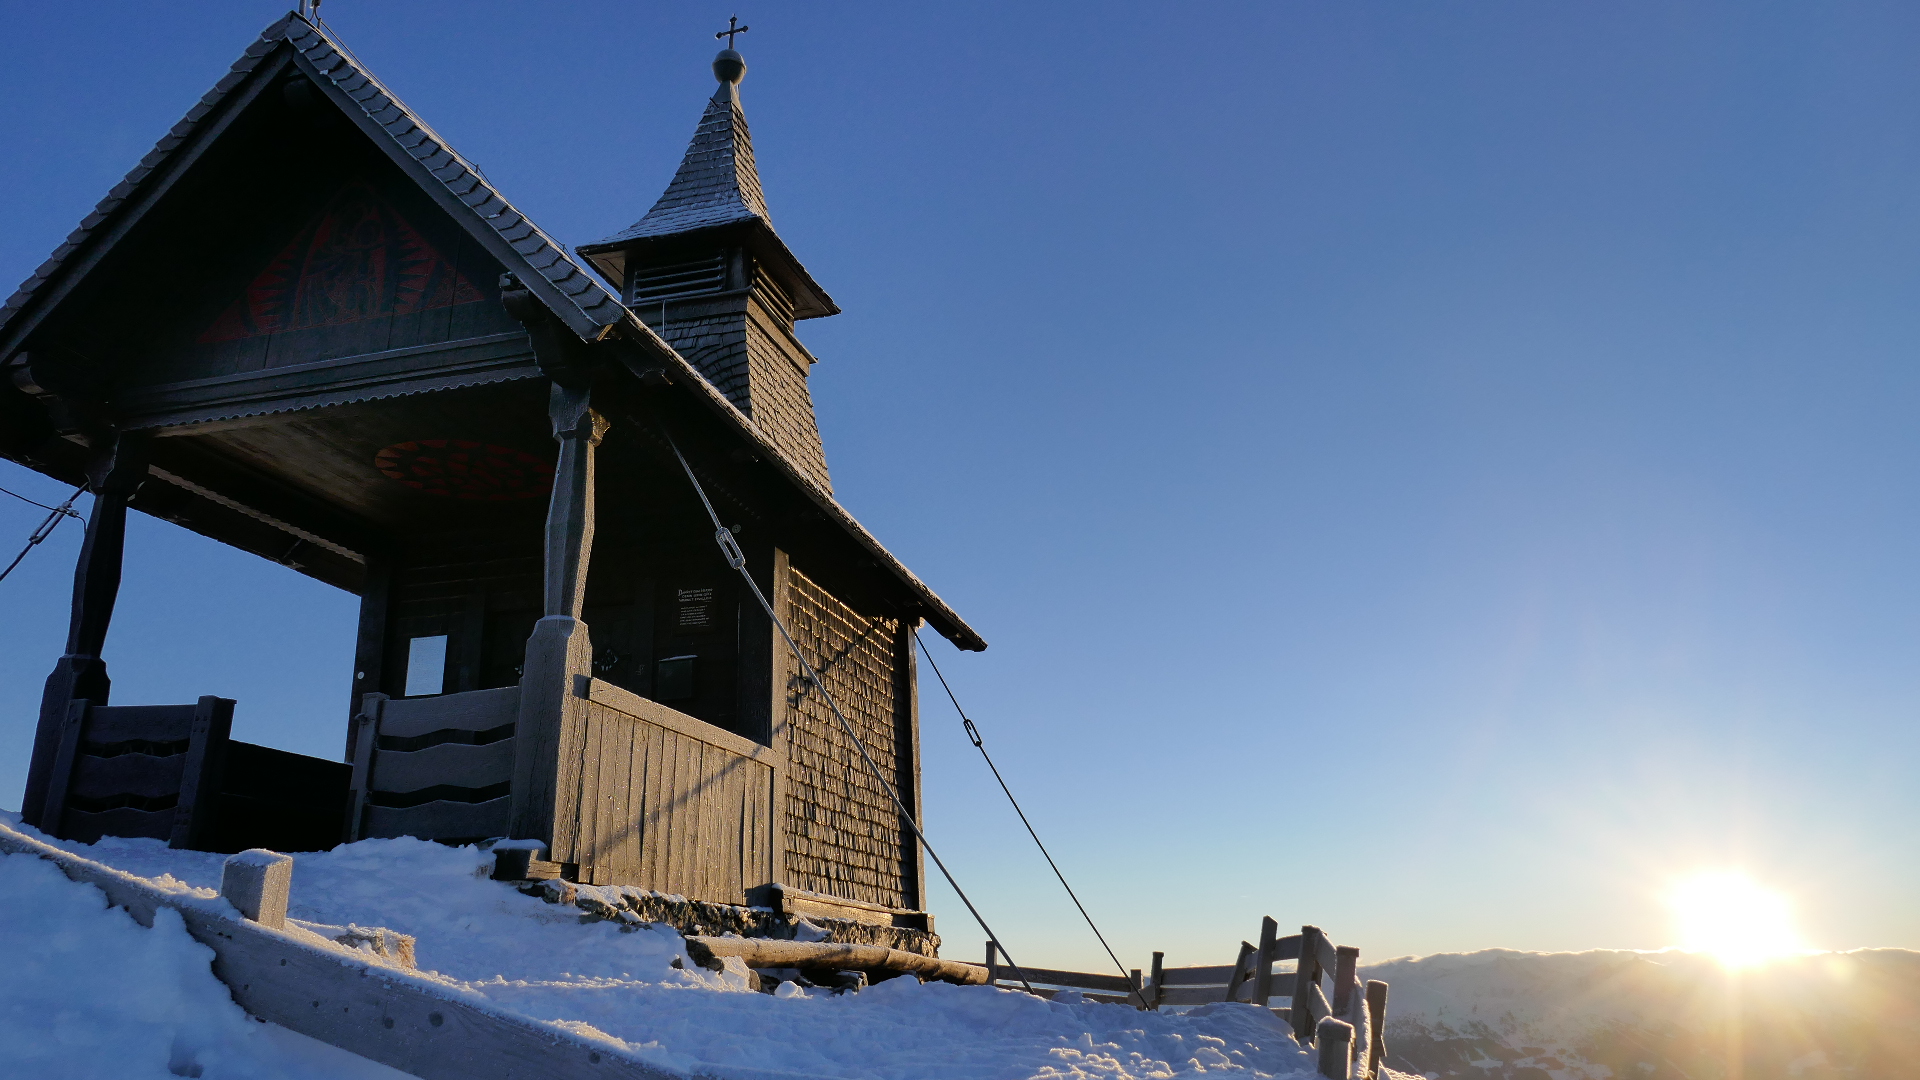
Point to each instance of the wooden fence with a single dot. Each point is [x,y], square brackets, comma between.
[1251,978]
[651,798]
[172,772]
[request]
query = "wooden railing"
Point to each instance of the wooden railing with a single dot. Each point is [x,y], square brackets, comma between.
[438,768]
[173,773]
[668,802]
[1328,1025]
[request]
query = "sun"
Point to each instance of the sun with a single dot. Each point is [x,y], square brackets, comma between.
[1728,916]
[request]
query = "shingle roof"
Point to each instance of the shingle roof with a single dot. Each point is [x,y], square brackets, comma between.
[571,291]
[717,187]
[717,183]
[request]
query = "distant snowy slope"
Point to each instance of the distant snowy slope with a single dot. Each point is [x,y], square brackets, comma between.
[544,961]
[1505,1015]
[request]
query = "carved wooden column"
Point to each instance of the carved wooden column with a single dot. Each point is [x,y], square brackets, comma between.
[547,736]
[113,475]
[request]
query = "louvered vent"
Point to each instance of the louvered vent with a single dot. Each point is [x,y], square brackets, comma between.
[656,283]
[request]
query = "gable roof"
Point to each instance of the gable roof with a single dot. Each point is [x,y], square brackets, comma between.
[567,288]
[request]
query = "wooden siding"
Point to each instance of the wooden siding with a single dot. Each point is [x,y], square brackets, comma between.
[671,803]
[844,833]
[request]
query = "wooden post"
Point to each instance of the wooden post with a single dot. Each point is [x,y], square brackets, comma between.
[1305,983]
[1335,1038]
[367,733]
[578,430]
[61,775]
[202,775]
[548,735]
[907,753]
[1159,973]
[81,673]
[370,642]
[1242,971]
[1376,1026]
[993,962]
[257,882]
[1139,991]
[1269,952]
[1343,979]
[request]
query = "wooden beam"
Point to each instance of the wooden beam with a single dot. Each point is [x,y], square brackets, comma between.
[768,952]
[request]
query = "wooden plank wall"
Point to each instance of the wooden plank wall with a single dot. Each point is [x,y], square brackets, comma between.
[671,803]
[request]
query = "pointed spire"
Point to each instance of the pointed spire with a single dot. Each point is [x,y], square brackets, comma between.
[717,183]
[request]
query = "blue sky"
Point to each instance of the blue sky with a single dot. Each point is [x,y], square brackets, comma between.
[1440,471]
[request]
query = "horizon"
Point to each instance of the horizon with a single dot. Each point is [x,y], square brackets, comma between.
[1439,474]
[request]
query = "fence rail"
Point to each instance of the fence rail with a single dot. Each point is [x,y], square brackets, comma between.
[1329,1026]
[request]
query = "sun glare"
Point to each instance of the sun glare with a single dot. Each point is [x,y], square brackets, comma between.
[1728,916]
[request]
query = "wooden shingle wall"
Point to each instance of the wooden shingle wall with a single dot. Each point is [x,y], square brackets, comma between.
[782,401]
[743,342]
[844,835]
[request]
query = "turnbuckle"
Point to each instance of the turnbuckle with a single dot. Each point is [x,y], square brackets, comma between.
[730,548]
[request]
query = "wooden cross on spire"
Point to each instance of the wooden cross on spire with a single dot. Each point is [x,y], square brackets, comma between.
[733,27]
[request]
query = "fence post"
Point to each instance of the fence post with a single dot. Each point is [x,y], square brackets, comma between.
[1305,983]
[1336,1048]
[1263,974]
[1343,979]
[993,967]
[257,882]
[1241,971]
[1376,1025]
[1158,973]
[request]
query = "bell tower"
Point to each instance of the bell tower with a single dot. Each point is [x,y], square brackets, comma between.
[706,271]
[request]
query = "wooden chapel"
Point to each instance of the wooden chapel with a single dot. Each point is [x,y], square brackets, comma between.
[306,327]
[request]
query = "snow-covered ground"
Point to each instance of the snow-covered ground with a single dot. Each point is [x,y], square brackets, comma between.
[90,993]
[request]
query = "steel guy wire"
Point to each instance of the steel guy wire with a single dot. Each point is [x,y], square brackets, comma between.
[737,559]
[973,734]
[35,502]
[45,529]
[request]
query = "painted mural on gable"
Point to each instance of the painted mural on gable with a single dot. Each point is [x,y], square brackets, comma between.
[358,258]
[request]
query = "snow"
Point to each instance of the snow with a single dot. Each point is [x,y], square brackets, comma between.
[89,993]
[123,999]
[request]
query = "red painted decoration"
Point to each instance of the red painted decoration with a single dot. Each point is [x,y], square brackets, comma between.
[466,470]
[357,259]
